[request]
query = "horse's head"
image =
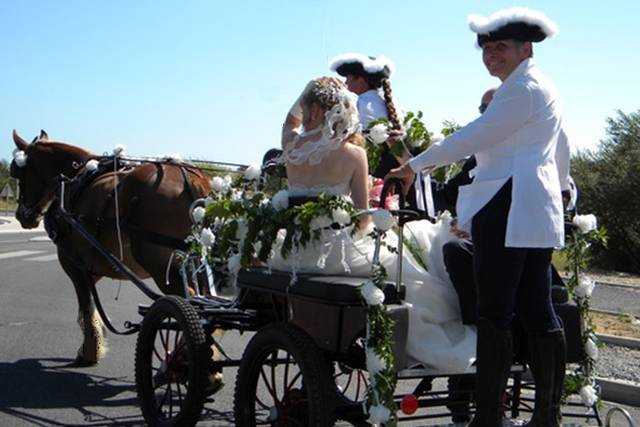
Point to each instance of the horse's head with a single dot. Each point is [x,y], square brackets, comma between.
[36,166]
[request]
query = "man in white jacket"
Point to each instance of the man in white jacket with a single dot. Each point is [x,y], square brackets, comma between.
[513,210]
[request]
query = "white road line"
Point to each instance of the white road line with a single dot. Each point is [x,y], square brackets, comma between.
[44,258]
[16,254]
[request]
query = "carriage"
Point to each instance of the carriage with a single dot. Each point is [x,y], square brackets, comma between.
[305,363]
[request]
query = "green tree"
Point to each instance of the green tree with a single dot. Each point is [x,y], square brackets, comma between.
[608,182]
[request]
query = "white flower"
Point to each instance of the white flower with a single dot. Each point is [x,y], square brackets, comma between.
[383,219]
[218,184]
[437,138]
[253,172]
[91,165]
[378,134]
[236,195]
[320,222]
[119,150]
[379,414]
[20,158]
[198,214]
[280,200]
[207,237]
[234,264]
[372,294]
[588,395]
[208,201]
[375,363]
[341,216]
[585,287]
[585,223]
[591,349]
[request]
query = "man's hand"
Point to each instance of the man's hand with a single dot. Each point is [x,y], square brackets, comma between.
[405,173]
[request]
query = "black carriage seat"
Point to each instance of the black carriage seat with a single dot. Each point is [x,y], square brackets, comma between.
[331,289]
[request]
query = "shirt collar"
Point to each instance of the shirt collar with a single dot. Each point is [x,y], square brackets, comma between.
[521,69]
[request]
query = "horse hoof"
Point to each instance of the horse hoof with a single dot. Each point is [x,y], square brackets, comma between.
[214,384]
[81,362]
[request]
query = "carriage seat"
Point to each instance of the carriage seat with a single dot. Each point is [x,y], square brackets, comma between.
[339,290]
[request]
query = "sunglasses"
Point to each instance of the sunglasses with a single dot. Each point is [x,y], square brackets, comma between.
[482,108]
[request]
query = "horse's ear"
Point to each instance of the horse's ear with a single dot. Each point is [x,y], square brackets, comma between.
[20,143]
[43,136]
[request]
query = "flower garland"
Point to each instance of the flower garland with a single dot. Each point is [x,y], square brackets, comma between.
[584,233]
[238,227]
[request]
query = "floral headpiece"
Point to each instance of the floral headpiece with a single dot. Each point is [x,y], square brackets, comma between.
[19,157]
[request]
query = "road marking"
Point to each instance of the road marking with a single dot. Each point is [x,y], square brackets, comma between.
[44,258]
[16,254]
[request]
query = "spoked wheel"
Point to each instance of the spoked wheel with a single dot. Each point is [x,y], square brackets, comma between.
[171,364]
[351,389]
[283,380]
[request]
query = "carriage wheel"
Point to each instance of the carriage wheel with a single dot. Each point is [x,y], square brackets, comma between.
[171,364]
[283,381]
[351,389]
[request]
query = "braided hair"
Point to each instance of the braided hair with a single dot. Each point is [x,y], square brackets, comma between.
[388,100]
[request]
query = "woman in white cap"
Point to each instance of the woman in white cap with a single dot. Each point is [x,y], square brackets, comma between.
[513,210]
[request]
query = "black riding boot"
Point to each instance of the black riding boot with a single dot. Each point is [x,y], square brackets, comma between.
[494,355]
[547,353]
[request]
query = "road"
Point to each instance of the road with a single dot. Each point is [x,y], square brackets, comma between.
[39,337]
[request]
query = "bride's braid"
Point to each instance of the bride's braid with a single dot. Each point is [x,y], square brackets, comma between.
[391,108]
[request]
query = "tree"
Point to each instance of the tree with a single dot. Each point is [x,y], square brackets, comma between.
[608,181]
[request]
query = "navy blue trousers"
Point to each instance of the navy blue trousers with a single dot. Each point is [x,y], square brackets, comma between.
[510,280]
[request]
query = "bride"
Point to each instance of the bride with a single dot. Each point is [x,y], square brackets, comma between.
[327,155]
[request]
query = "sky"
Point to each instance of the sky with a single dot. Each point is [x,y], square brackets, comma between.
[214,80]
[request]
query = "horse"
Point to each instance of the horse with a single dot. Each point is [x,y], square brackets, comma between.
[140,213]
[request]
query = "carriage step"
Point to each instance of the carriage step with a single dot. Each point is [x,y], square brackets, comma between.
[420,372]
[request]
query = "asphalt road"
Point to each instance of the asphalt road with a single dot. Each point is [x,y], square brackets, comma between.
[39,338]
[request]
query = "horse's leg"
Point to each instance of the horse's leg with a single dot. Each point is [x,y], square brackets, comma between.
[94,341]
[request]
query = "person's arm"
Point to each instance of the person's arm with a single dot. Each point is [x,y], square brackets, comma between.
[507,113]
[360,186]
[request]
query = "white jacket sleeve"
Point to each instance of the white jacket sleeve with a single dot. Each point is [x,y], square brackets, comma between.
[507,113]
[563,160]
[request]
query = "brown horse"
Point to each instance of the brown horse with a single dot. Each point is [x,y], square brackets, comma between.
[152,198]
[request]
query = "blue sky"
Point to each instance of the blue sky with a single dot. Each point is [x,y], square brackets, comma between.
[214,80]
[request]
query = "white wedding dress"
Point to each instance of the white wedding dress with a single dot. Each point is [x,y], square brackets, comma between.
[437,338]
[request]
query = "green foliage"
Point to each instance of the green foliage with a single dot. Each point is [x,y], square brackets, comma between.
[608,181]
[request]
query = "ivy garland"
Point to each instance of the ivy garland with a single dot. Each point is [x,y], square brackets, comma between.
[238,227]
[584,233]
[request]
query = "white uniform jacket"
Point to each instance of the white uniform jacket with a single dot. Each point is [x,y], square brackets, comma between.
[371,106]
[519,137]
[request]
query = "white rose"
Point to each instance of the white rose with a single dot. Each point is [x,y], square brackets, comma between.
[378,134]
[280,200]
[119,150]
[207,237]
[236,195]
[341,216]
[375,363]
[379,414]
[585,223]
[588,395]
[372,294]
[218,184]
[383,219]
[91,165]
[591,349]
[208,201]
[198,214]
[320,222]
[20,158]
[585,287]
[253,172]
[234,264]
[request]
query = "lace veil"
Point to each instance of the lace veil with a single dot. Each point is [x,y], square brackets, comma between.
[341,120]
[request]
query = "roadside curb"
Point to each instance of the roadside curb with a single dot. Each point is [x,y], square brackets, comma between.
[619,391]
[617,340]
